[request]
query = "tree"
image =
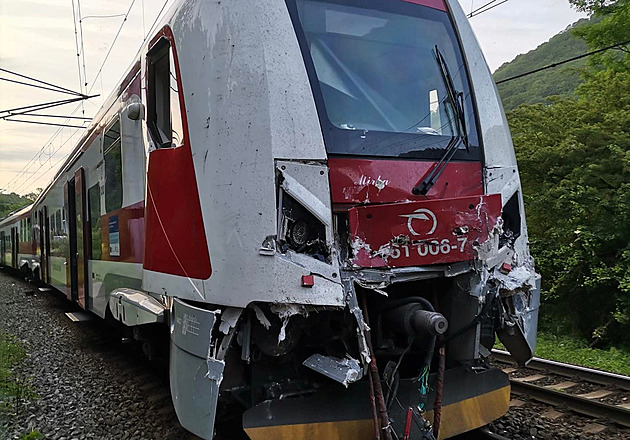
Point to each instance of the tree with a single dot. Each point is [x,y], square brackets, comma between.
[614,27]
[574,157]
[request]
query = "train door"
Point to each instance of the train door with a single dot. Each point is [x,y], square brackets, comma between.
[2,245]
[14,247]
[44,246]
[81,235]
[71,218]
[47,244]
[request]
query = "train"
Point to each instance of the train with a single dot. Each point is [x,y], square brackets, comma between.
[318,201]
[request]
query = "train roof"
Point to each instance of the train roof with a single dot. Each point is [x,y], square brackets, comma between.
[16,215]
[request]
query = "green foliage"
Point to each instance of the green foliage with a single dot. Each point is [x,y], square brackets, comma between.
[574,157]
[593,5]
[536,88]
[11,353]
[12,202]
[33,435]
[612,26]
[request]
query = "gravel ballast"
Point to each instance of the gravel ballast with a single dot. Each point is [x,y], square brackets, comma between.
[89,385]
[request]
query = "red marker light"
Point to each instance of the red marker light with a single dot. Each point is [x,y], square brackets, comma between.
[505,268]
[308,280]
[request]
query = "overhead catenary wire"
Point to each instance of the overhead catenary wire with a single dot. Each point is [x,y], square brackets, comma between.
[34,107]
[47,115]
[485,8]
[76,45]
[472,10]
[560,63]
[59,88]
[33,85]
[82,46]
[46,123]
[111,46]
[33,161]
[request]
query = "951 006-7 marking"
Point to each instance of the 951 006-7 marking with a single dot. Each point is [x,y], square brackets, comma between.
[433,247]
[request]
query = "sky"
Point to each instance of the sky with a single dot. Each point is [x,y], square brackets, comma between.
[37,39]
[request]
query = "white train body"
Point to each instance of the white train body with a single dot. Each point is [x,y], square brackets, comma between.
[247,230]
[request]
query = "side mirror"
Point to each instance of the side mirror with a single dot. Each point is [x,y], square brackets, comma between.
[135,111]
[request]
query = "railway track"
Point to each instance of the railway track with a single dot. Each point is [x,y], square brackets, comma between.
[582,390]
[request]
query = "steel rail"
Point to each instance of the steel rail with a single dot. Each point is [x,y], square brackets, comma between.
[582,405]
[567,370]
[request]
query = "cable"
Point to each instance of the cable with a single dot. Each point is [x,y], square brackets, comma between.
[472,11]
[34,173]
[560,63]
[39,154]
[72,92]
[103,16]
[35,107]
[479,12]
[45,123]
[76,45]
[32,85]
[100,69]
[57,116]
[82,45]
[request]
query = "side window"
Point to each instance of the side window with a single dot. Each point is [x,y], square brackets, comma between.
[113,168]
[164,117]
[59,230]
[94,201]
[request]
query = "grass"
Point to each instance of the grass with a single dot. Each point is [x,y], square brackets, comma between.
[33,435]
[570,350]
[576,351]
[13,388]
[11,353]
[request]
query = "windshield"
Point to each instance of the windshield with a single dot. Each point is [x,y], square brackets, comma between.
[378,83]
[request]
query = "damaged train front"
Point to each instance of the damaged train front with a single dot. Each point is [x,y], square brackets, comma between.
[432,257]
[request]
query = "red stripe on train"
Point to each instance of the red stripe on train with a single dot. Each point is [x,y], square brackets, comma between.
[435,4]
[366,181]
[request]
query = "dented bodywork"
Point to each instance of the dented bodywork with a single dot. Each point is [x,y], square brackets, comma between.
[330,274]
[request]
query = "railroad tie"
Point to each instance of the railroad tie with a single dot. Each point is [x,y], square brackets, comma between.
[553,414]
[594,428]
[532,378]
[516,403]
[562,386]
[596,395]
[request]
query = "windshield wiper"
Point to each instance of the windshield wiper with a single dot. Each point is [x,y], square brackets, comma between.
[456,99]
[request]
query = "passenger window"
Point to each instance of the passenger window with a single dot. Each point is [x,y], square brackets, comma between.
[113,168]
[164,116]
[94,201]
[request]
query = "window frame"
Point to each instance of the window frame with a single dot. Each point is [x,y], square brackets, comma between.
[164,41]
[107,150]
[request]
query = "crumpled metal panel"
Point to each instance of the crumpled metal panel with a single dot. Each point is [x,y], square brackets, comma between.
[523,302]
[422,233]
[345,371]
[195,375]
[356,181]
